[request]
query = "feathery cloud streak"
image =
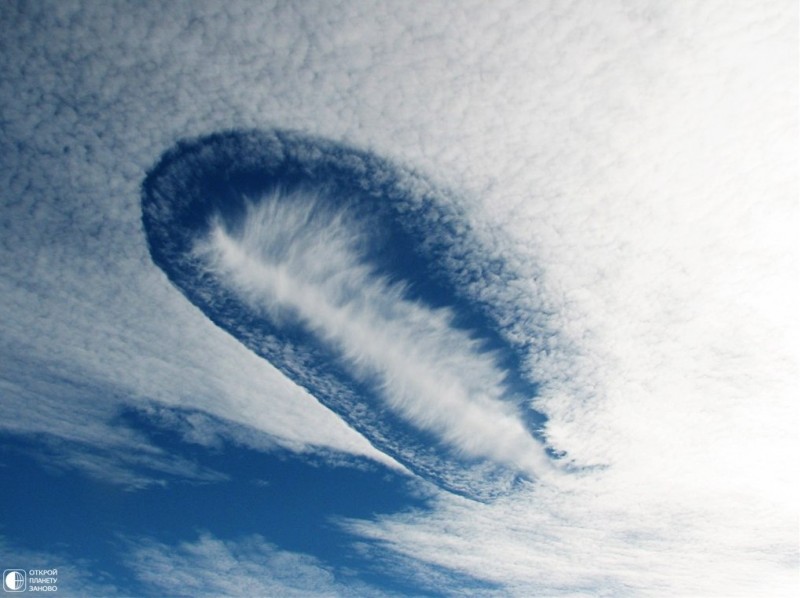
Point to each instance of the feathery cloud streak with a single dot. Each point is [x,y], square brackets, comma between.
[431,373]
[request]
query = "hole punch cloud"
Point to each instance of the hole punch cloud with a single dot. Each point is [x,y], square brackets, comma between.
[338,267]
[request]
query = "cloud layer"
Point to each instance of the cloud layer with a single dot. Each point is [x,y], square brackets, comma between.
[634,165]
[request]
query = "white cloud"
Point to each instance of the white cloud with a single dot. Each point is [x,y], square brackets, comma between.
[636,164]
[596,538]
[297,259]
[91,436]
[246,567]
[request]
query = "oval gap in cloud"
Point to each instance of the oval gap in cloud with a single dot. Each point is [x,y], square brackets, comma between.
[355,277]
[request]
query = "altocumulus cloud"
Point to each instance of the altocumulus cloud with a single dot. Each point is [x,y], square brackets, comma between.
[633,167]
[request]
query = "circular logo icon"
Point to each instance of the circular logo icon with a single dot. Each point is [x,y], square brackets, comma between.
[14,580]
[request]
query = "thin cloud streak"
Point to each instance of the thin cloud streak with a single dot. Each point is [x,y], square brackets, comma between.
[295,258]
[249,566]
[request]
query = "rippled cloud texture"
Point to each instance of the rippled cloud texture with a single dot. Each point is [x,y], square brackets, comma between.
[633,165]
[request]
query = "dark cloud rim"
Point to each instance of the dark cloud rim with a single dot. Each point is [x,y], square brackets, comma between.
[213,174]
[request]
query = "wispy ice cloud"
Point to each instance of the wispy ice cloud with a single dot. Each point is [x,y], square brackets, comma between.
[251,566]
[294,258]
[72,424]
[67,426]
[598,536]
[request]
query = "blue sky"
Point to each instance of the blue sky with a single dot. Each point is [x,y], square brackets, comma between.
[438,298]
[279,499]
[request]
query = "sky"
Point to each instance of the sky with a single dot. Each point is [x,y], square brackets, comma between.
[391,298]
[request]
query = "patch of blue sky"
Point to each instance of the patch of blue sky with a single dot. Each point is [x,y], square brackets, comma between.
[292,501]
